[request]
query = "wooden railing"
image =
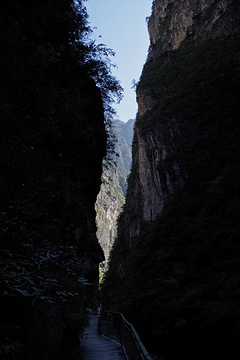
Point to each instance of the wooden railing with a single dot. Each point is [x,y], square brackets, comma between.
[115,326]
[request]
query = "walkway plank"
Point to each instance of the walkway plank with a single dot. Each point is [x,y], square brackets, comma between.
[97,347]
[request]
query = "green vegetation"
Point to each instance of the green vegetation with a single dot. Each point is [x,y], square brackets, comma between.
[198,79]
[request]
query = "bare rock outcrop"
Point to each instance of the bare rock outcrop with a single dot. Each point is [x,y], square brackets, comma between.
[172,22]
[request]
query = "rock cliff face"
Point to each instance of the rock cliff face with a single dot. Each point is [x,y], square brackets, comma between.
[111,197]
[177,249]
[171,22]
[160,174]
[124,133]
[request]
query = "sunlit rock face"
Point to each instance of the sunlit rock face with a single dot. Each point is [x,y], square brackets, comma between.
[112,193]
[171,21]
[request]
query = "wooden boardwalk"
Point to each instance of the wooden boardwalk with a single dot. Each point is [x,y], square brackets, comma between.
[97,347]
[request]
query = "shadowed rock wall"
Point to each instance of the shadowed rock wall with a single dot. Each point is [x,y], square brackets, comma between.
[174,271]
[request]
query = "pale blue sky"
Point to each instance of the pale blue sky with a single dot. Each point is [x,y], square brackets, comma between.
[123,28]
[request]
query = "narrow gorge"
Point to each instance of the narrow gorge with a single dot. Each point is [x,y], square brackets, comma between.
[173,226]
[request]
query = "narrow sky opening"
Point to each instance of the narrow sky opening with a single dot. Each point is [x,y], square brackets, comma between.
[121,26]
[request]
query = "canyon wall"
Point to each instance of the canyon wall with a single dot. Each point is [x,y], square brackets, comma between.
[162,139]
[172,267]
